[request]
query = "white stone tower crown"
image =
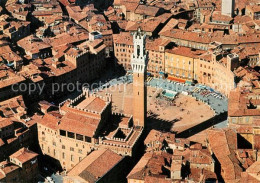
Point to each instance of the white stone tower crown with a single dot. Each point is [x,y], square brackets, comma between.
[139,57]
[227,7]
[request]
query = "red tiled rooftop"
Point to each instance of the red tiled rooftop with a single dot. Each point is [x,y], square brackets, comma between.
[79,124]
[96,165]
[23,155]
[7,168]
[5,122]
[123,38]
[185,51]
[50,121]
[147,10]
[92,103]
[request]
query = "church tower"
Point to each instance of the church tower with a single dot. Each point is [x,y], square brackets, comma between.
[139,66]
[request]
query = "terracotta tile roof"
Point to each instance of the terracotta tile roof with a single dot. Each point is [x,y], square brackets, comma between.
[138,171]
[12,107]
[240,4]
[167,5]
[254,8]
[201,175]
[147,25]
[150,164]
[67,38]
[238,104]
[93,103]
[202,156]
[33,44]
[130,6]
[79,124]
[5,122]
[223,143]
[217,16]
[245,129]
[245,52]
[155,135]
[186,35]
[117,2]
[156,43]
[185,51]
[153,179]
[9,77]
[147,10]
[23,155]
[1,142]
[96,165]
[254,168]
[50,121]
[245,177]
[241,19]
[64,2]
[257,141]
[123,38]
[170,25]
[7,168]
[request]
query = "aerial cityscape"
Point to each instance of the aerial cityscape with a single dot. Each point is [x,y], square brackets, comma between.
[129,91]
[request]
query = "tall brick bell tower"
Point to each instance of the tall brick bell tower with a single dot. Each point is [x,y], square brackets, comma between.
[139,66]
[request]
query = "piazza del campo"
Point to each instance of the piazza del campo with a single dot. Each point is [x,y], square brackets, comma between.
[129,91]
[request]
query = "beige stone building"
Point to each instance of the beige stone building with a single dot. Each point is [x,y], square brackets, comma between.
[216,71]
[180,63]
[123,49]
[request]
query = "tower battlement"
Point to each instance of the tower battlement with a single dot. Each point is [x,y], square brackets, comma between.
[139,57]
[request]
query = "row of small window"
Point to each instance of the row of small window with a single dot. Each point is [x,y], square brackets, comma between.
[201,47]
[155,68]
[45,129]
[177,60]
[155,61]
[240,120]
[123,50]
[206,66]
[124,45]
[124,60]
[54,151]
[178,67]
[122,55]
[107,39]
[71,157]
[63,146]
[72,149]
